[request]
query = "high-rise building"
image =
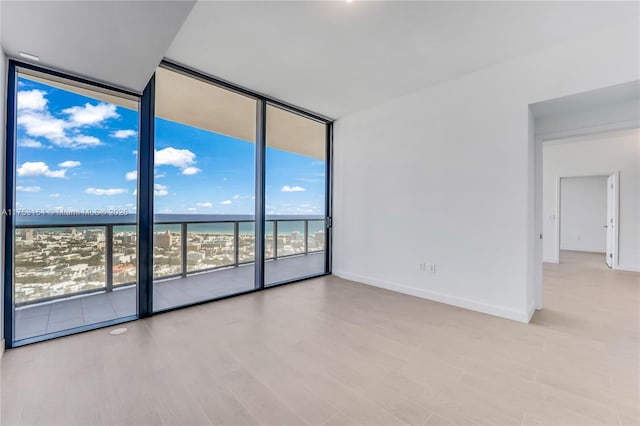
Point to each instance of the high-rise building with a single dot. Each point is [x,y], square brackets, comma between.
[163,240]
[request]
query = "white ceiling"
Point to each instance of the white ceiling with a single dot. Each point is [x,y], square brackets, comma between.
[338,57]
[117,42]
[329,57]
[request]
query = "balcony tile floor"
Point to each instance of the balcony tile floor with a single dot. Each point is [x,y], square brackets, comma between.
[36,320]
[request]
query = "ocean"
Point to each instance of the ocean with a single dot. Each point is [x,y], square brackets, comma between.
[196,222]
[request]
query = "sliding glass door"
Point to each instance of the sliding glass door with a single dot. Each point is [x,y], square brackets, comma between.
[74,217]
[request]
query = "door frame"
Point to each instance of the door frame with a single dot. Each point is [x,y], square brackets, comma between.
[558,218]
[536,142]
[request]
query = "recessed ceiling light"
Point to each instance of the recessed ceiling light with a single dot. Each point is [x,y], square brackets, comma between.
[349,1]
[29,56]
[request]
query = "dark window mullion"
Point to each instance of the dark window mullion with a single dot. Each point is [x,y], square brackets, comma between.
[261,136]
[328,197]
[145,201]
[9,189]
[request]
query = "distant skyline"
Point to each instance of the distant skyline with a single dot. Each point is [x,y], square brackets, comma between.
[79,153]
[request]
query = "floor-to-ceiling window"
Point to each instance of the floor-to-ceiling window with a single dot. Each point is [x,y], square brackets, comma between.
[204,191]
[74,215]
[295,196]
[122,205]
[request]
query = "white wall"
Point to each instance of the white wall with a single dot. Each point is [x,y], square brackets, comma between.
[597,155]
[583,212]
[445,176]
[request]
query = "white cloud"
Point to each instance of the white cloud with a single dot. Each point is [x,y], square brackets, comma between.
[107,191]
[132,175]
[54,195]
[69,164]
[288,188]
[123,134]
[39,168]
[79,141]
[88,114]
[30,143]
[191,171]
[31,100]
[204,204]
[192,209]
[160,190]
[181,158]
[38,121]
[43,124]
[83,140]
[243,197]
[28,188]
[226,202]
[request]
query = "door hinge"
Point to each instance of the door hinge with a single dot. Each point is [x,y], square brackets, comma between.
[610,254]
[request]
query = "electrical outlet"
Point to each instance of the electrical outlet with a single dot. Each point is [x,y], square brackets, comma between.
[423,267]
[432,268]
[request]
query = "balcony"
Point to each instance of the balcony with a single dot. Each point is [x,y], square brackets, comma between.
[72,275]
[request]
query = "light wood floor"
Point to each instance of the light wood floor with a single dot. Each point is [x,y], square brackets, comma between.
[330,351]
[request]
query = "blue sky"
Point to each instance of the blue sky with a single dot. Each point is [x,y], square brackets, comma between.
[78,153]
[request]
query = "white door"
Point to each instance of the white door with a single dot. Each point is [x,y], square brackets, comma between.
[610,225]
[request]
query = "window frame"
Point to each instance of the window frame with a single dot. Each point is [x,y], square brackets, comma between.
[146,110]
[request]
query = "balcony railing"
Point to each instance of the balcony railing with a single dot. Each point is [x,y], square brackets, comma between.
[61,260]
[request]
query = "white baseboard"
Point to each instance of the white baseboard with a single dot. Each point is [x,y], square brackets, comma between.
[473,305]
[1,348]
[581,250]
[551,260]
[627,268]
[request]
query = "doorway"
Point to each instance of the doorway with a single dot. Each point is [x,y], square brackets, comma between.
[587,216]
[595,133]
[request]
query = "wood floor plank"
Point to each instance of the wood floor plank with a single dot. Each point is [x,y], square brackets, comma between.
[331,351]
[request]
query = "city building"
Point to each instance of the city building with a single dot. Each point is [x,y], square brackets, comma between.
[320,212]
